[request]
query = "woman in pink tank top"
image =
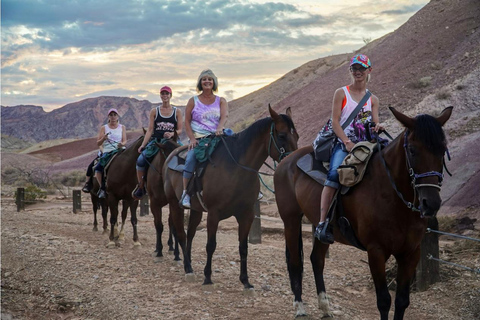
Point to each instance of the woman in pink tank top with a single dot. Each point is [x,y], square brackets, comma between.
[345,100]
[205,114]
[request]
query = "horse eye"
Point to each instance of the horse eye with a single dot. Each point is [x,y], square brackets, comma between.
[411,150]
[282,136]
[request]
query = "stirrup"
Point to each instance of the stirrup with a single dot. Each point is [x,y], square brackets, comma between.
[138,193]
[324,233]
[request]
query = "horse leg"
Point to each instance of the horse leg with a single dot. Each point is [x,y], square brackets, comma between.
[95,203]
[121,235]
[157,221]
[294,257]
[212,226]
[176,214]
[134,221]
[172,235]
[406,272]
[243,230]
[317,258]
[104,206]
[193,222]
[376,261]
[113,205]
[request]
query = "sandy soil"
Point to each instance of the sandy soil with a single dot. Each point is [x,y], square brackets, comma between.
[55,267]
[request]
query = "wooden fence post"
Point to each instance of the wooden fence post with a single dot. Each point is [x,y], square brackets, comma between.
[20,200]
[77,201]
[428,270]
[144,206]
[255,235]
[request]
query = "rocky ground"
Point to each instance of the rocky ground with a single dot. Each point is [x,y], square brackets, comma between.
[55,267]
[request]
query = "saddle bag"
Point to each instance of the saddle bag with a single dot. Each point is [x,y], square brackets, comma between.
[353,167]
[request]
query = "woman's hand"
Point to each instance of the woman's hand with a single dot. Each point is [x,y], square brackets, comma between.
[140,149]
[349,145]
[378,127]
[168,135]
[193,143]
[219,132]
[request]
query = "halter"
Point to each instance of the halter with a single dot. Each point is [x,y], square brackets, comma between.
[280,150]
[413,177]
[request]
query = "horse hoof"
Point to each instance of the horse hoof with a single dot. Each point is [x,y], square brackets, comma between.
[95,229]
[106,231]
[190,277]
[176,263]
[300,313]
[111,245]
[157,259]
[137,244]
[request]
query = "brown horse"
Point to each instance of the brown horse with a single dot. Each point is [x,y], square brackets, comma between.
[230,186]
[98,204]
[121,180]
[378,209]
[157,196]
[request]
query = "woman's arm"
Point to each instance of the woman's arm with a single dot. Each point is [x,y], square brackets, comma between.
[148,134]
[223,116]
[101,137]
[123,143]
[336,114]
[188,121]
[179,122]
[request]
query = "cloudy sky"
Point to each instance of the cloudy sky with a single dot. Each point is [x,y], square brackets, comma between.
[56,52]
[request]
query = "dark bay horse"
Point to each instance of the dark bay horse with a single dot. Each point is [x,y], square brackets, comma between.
[381,220]
[230,186]
[157,196]
[121,179]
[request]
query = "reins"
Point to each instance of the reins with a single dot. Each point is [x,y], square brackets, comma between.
[413,176]
[280,150]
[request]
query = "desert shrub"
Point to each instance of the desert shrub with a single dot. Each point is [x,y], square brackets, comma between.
[72,179]
[443,94]
[421,83]
[32,193]
[460,86]
[436,65]
[446,223]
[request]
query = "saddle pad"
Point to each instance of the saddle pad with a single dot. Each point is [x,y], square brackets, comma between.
[177,163]
[316,170]
[307,164]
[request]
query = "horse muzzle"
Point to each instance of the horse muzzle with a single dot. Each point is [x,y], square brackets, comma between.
[429,200]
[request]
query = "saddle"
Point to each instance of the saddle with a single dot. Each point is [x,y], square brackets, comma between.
[318,172]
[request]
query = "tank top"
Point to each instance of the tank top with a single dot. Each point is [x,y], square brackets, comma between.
[113,139]
[356,130]
[205,117]
[163,124]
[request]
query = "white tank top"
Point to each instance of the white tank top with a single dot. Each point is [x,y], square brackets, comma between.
[356,130]
[114,137]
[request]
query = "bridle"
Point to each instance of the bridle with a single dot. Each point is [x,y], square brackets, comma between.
[413,177]
[281,150]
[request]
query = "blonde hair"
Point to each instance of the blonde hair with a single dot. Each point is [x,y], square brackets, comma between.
[208,73]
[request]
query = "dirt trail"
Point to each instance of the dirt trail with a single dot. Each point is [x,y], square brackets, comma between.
[55,267]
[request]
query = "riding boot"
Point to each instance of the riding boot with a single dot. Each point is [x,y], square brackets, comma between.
[102,194]
[88,186]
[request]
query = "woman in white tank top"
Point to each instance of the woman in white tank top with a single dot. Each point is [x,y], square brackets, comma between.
[111,137]
[345,101]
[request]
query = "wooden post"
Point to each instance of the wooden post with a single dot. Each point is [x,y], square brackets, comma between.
[428,270]
[144,207]
[20,201]
[255,235]
[77,201]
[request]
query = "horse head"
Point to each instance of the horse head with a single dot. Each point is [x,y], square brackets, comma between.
[283,136]
[425,146]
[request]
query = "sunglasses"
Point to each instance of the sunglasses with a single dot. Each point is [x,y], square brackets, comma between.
[361,69]
[163,93]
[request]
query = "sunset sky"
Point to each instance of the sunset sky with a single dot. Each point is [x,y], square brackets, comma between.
[56,52]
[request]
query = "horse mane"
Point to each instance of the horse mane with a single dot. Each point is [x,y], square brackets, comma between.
[239,142]
[430,133]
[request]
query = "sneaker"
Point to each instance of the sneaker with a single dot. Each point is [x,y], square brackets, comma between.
[87,187]
[323,233]
[185,201]
[138,193]
[101,194]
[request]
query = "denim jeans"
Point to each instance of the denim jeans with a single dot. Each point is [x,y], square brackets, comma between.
[190,163]
[339,153]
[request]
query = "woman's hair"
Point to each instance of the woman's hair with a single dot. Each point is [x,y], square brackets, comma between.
[208,73]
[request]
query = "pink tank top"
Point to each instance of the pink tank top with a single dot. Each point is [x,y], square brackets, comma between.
[205,117]
[356,130]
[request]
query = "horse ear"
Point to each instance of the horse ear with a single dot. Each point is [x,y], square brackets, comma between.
[289,112]
[273,114]
[405,120]
[445,115]
[144,131]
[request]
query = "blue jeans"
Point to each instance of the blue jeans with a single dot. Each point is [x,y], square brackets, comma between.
[190,163]
[142,160]
[339,153]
